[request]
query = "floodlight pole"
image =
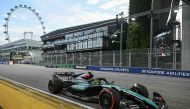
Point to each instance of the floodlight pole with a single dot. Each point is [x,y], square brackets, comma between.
[151,34]
[121,38]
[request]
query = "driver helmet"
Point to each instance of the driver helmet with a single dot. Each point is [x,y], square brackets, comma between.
[87,76]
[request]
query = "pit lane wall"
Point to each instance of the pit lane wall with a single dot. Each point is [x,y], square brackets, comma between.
[17,96]
[137,70]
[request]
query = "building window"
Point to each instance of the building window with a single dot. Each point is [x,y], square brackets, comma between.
[77,46]
[68,47]
[80,45]
[85,45]
[90,44]
[97,43]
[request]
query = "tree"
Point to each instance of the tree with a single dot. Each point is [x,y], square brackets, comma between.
[139,30]
[137,36]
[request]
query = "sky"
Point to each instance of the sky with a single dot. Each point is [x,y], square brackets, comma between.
[56,14]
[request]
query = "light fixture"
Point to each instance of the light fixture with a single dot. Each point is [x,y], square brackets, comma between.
[133,19]
[176,11]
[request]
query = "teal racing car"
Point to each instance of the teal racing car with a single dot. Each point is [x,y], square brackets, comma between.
[98,90]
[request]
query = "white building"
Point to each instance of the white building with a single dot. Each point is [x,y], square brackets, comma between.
[24,50]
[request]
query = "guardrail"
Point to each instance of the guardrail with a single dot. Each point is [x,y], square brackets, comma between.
[4,62]
[137,70]
[14,95]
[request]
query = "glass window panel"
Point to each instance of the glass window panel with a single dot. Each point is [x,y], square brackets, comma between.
[68,47]
[85,45]
[90,44]
[94,43]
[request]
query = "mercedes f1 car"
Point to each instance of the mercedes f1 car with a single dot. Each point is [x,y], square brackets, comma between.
[98,90]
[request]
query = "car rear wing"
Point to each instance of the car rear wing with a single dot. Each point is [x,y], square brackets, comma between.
[63,74]
[159,100]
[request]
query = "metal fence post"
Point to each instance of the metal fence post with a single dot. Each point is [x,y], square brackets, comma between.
[47,58]
[149,59]
[66,58]
[51,58]
[156,58]
[56,59]
[90,58]
[45,61]
[129,58]
[73,58]
[100,61]
[80,58]
[113,58]
[61,59]
[174,56]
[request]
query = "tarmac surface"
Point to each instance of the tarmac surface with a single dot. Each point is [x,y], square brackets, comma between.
[176,91]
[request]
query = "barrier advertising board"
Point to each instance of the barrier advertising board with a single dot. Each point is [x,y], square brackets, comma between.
[152,71]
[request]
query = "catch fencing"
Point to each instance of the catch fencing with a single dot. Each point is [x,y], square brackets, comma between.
[167,59]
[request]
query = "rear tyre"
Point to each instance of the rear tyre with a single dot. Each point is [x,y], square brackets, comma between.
[109,99]
[140,89]
[55,85]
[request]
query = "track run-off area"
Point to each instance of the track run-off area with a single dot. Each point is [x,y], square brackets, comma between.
[175,90]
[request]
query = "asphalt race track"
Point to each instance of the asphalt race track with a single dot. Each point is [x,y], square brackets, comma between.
[176,91]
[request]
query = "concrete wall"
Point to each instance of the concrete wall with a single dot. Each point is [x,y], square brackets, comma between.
[186,38]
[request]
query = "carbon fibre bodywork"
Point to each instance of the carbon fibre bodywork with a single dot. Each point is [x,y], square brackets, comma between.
[90,91]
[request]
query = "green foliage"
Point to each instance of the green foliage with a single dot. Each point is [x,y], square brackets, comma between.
[139,30]
[137,36]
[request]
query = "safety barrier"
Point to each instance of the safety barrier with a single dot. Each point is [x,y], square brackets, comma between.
[137,70]
[4,62]
[80,67]
[70,66]
[14,95]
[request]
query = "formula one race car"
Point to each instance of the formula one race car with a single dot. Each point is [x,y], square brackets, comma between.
[98,90]
[51,66]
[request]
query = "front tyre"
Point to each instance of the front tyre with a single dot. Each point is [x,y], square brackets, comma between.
[55,85]
[109,99]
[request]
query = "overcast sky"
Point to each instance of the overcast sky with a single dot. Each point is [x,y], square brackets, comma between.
[56,14]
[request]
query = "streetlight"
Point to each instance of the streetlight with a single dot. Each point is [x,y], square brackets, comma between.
[151,35]
[121,36]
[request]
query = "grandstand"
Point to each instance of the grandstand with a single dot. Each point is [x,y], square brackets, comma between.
[21,51]
[88,37]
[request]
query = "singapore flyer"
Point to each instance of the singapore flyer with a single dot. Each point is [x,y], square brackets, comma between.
[10,13]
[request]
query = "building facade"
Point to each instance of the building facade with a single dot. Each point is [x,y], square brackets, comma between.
[93,37]
[21,51]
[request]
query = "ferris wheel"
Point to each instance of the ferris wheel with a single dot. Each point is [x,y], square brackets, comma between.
[13,10]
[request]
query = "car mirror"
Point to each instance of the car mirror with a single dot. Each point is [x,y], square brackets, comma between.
[112,82]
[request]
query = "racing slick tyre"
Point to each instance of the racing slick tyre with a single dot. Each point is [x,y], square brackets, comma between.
[109,99]
[140,89]
[55,85]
